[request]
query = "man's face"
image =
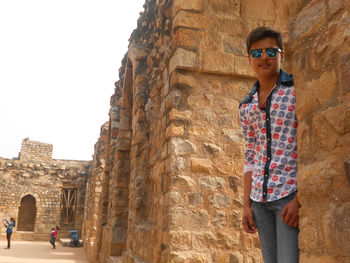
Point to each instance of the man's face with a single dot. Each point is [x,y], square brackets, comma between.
[266,66]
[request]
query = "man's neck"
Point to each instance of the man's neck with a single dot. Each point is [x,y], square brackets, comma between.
[266,84]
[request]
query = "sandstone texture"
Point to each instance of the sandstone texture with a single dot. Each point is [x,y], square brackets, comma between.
[166,183]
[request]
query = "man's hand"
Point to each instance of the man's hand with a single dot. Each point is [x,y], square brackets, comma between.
[290,213]
[248,220]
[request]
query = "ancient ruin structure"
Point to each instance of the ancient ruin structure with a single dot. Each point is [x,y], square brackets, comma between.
[41,192]
[166,178]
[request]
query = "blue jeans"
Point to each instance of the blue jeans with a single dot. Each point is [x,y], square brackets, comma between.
[278,241]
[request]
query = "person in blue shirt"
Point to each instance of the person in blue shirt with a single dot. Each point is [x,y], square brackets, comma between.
[9,226]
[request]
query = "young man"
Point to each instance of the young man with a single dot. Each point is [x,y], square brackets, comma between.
[268,119]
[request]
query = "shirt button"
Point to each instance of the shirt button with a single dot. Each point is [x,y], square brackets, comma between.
[265,176]
[264,193]
[268,119]
[268,140]
[269,158]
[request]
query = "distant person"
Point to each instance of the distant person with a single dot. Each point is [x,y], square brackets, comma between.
[9,226]
[54,233]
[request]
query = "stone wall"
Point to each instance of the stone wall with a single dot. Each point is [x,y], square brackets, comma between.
[174,151]
[320,42]
[35,151]
[96,199]
[31,192]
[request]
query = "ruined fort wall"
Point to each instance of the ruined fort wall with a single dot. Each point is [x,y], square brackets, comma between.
[35,151]
[95,198]
[175,150]
[31,192]
[320,41]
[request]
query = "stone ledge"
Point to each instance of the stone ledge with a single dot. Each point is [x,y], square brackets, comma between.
[65,242]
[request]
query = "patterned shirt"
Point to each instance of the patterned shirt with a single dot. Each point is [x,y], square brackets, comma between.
[271,140]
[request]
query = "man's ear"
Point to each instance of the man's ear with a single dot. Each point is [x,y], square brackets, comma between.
[282,56]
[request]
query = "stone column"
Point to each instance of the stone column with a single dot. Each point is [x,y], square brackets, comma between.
[320,40]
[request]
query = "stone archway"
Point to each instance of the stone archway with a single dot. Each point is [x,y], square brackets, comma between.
[27,214]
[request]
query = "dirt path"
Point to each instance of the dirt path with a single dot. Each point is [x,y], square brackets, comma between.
[40,252]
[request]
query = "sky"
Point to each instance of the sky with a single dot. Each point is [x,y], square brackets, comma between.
[59,60]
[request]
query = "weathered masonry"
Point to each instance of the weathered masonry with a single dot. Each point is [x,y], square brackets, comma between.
[166,180]
[41,192]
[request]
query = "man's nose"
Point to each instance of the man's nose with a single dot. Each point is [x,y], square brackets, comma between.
[264,54]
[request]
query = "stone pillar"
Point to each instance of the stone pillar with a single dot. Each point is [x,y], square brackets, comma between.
[320,40]
[94,199]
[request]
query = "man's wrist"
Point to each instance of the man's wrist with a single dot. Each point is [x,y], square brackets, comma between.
[247,203]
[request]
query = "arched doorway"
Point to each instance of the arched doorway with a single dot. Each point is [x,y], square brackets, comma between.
[27,214]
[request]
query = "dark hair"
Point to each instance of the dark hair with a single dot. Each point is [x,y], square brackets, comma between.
[57,228]
[261,33]
[14,221]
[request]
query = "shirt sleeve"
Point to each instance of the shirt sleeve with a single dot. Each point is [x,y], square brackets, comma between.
[250,140]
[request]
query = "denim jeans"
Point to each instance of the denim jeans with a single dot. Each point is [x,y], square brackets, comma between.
[278,241]
[8,236]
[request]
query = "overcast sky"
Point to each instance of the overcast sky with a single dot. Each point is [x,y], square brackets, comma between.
[59,60]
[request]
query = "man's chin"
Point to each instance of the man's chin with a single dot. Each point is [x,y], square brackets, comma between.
[267,73]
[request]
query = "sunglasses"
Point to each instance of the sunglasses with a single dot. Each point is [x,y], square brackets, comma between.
[271,52]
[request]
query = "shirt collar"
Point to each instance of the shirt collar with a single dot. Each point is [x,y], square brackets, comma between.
[283,78]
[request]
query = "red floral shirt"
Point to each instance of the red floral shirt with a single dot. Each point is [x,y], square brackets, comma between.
[271,141]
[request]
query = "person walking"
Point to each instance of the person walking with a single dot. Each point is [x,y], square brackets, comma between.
[54,233]
[269,123]
[9,228]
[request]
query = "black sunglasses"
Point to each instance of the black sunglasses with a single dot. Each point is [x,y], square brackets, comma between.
[271,52]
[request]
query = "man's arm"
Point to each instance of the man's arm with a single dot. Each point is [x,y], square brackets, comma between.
[290,213]
[247,218]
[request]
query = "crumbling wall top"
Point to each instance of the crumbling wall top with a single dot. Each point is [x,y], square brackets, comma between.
[35,151]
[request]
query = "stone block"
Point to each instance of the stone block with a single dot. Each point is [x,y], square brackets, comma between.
[337,227]
[311,17]
[183,183]
[319,92]
[201,165]
[181,218]
[236,257]
[224,7]
[180,240]
[325,137]
[212,183]
[181,147]
[188,257]
[217,62]
[338,117]
[184,59]
[243,68]
[175,114]
[219,219]
[190,20]
[200,101]
[313,175]
[175,163]
[195,199]
[225,167]
[258,9]
[205,240]
[182,81]
[194,6]
[173,131]
[173,198]
[221,200]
